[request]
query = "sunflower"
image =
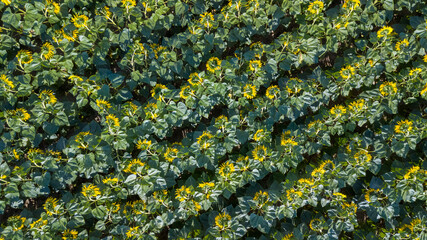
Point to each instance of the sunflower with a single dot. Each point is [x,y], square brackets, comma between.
[206,185]
[80,139]
[424,91]
[368,194]
[259,153]
[47,95]
[79,20]
[347,72]
[259,135]
[403,126]
[48,51]
[223,221]
[185,92]
[112,119]
[287,141]
[318,172]
[156,48]
[206,19]
[272,91]
[150,110]
[415,71]
[425,58]
[340,196]
[315,225]
[107,13]
[249,91]
[50,206]
[24,57]
[143,145]
[7,82]
[75,78]
[139,207]
[254,65]
[22,114]
[128,3]
[6,2]
[403,43]
[69,234]
[261,197]
[288,236]
[102,104]
[388,88]
[110,181]
[315,7]
[132,232]
[291,194]
[415,223]
[129,109]
[16,222]
[134,167]
[56,7]
[351,4]
[70,37]
[213,64]
[39,224]
[183,193]
[156,92]
[196,205]
[328,164]
[171,154]
[338,111]
[221,120]
[147,8]
[91,191]
[194,79]
[226,169]
[384,32]
[306,181]
[357,106]
[362,156]
[139,49]
[259,49]
[15,154]
[160,196]
[351,208]
[203,140]
[114,207]
[413,170]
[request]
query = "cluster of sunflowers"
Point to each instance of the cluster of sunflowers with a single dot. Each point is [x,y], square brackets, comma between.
[225,119]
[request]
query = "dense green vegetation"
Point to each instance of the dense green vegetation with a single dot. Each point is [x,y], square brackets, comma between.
[192,119]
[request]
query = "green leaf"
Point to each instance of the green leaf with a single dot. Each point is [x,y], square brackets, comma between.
[29,190]
[99,212]
[242,136]
[50,128]
[400,148]
[388,5]
[10,18]
[259,222]
[100,225]
[116,79]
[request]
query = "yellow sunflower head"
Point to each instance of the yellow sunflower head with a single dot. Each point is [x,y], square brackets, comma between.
[315,7]
[259,153]
[213,64]
[249,91]
[47,51]
[384,32]
[24,56]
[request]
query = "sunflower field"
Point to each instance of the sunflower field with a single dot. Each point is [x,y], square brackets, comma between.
[220,119]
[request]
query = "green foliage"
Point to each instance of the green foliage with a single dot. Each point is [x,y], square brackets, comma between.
[214,119]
